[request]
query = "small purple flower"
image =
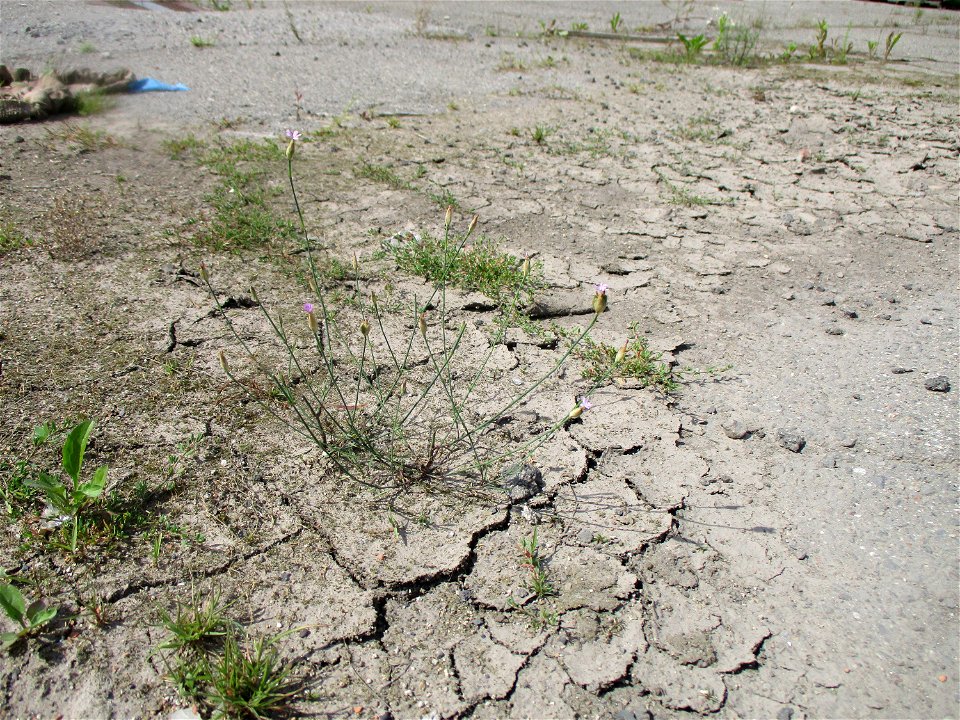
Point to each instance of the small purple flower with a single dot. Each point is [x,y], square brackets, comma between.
[602,289]
[585,403]
[308,307]
[293,135]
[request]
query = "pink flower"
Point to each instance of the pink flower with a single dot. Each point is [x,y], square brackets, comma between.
[602,289]
[585,403]
[308,307]
[292,135]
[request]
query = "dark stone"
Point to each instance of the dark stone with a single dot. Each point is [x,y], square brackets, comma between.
[901,370]
[794,442]
[940,383]
[522,483]
[785,713]
[834,331]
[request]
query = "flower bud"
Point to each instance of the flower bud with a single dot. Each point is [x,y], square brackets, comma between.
[575,413]
[599,303]
[314,324]
[291,148]
[422,322]
[621,354]
[403,387]
[356,263]
[448,218]
[473,224]
[204,275]
[364,328]
[525,268]
[221,356]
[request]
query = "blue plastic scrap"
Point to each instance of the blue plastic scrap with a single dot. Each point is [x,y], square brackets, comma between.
[150,85]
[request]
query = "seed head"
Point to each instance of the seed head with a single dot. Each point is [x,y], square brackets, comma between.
[422,323]
[204,275]
[525,268]
[221,356]
[364,328]
[448,218]
[473,224]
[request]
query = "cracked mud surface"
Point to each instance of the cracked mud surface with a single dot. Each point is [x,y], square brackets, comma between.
[700,565]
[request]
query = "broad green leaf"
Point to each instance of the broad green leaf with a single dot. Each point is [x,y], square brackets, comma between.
[93,487]
[9,639]
[74,448]
[44,482]
[41,433]
[12,603]
[43,616]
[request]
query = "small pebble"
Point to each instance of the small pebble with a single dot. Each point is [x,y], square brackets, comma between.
[940,383]
[828,462]
[735,429]
[848,442]
[794,442]
[901,370]
[834,331]
[785,713]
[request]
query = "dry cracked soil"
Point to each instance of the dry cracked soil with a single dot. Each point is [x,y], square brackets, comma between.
[776,537]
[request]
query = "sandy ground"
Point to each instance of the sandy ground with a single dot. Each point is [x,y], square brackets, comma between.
[798,222]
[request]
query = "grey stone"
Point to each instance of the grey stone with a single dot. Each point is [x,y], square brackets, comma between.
[828,462]
[585,537]
[794,442]
[735,429]
[940,383]
[785,713]
[834,331]
[849,441]
[901,370]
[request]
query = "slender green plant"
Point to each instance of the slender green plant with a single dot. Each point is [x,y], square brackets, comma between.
[615,22]
[250,682]
[66,503]
[539,582]
[891,43]
[389,412]
[819,51]
[735,41]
